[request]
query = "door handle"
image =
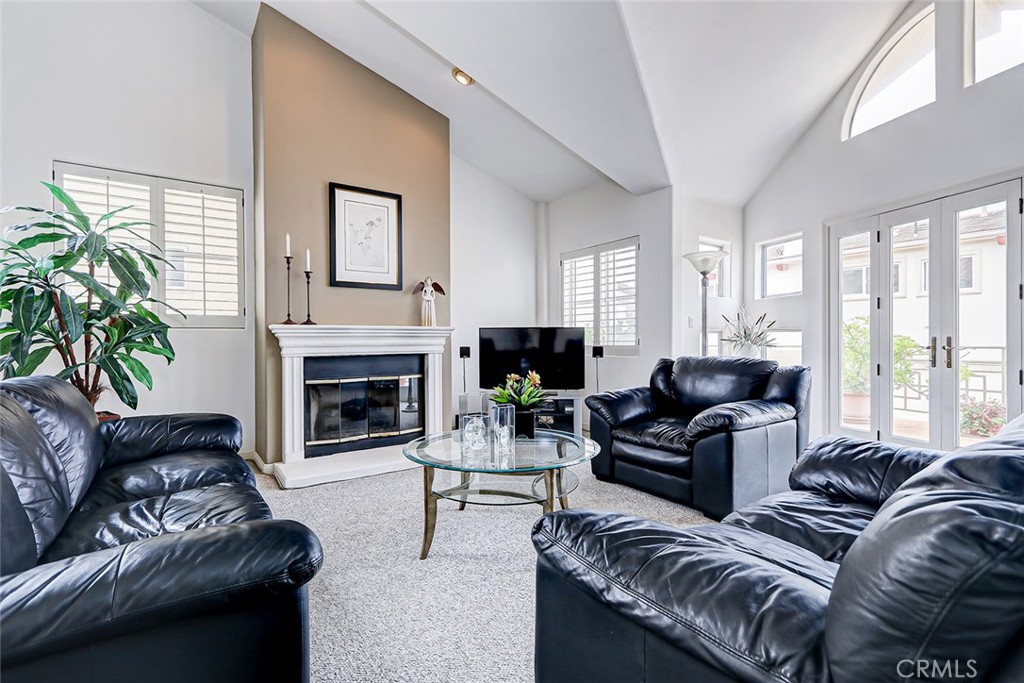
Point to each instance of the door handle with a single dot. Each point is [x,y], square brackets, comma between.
[933,351]
[948,348]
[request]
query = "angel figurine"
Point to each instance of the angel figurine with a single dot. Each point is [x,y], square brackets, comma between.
[428,289]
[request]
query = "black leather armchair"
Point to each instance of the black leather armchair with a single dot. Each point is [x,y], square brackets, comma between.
[880,560]
[141,550]
[714,433]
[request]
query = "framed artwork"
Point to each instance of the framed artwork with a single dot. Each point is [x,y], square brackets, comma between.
[366,238]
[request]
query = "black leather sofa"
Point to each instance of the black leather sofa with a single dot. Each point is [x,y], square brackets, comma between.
[140,550]
[715,433]
[881,564]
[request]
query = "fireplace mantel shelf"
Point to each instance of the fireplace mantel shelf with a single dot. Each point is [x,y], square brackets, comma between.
[302,341]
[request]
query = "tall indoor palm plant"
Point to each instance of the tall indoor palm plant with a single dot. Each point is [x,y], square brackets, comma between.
[54,302]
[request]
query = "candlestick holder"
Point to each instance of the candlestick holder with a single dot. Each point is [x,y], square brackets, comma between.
[309,321]
[288,286]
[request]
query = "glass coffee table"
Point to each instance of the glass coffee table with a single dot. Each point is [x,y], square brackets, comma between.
[533,472]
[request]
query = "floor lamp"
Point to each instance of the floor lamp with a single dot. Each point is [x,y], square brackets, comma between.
[704,262]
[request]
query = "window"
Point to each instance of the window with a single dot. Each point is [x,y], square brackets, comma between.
[198,227]
[966,273]
[998,42]
[897,278]
[856,281]
[781,265]
[599,294]
[788,349]
[899,79]
[719,277]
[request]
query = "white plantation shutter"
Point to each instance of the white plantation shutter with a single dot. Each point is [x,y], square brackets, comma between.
[618,277]
[600,294]
[579,287]
[202,240]
[199,228]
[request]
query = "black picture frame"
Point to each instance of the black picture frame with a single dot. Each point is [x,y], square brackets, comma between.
[342,277]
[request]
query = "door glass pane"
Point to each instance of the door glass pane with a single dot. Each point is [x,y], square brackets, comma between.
[908,355]
[981,324]
[855,351]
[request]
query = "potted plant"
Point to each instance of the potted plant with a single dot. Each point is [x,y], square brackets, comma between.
[524,393]
[56,303]
[748,337]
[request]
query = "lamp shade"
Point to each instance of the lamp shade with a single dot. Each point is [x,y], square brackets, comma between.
[705,261]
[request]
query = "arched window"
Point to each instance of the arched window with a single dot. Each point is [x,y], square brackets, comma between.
[899,79]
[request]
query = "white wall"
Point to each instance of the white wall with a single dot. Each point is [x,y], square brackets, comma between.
[493,264]
[968,134]
[159,88]
[603,213]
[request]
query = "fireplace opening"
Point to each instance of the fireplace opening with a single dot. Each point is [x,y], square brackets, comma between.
[356,402]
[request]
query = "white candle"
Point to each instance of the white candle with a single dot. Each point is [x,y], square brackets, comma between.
[307,260]
[288,244]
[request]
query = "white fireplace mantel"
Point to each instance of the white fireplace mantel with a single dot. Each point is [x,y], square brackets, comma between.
[298,342]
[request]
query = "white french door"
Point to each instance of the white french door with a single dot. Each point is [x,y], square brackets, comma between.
[926,320]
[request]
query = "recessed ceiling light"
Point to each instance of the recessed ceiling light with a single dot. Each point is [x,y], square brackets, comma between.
[461,76]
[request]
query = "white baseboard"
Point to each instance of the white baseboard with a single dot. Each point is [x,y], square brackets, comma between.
[265,468]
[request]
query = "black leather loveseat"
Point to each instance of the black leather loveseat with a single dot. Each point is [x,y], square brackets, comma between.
[715,433]
[139,550]
[881,564]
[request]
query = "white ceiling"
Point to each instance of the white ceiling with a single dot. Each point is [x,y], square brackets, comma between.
[732,85]
[707,95]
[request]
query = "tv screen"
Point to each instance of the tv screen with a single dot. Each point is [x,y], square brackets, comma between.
[556,353]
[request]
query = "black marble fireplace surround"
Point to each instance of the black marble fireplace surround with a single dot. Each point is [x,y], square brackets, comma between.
[357,402]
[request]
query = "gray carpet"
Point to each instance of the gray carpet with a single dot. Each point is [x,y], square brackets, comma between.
[378,614]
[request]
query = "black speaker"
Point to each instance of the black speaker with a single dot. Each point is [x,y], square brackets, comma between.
[598,352]
[463,352]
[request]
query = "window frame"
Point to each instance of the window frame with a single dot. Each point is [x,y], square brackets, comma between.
[761,263]
[157,185]
[970,48]
[906,22]
[595,252]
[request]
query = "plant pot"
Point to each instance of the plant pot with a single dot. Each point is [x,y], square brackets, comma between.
[526,423]
[856,409]
[106,416]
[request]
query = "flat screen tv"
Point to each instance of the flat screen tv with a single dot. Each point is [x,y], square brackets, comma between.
[555,352]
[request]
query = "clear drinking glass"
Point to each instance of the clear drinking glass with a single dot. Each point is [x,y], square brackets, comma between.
[503,433]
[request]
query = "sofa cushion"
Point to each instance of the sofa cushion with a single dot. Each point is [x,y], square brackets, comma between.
[36,500]
[702,382]
[857,470]
[825,526]
[767,624]
[654,459]
[67,421]
[123,523]
[939,573]
[163,475]
[661,433]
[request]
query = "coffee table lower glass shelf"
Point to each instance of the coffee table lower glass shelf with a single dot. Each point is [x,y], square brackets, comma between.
[534,472]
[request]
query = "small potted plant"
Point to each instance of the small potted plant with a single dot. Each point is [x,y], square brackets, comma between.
[525,393]
[748,337]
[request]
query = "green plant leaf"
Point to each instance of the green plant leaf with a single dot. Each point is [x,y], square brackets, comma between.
[138,369]
[94,244]
[96,288]
[41,238]
[72,317]
[120,382]
[150,348]
[64,198]
[33,361]
[128,274]
[27,311]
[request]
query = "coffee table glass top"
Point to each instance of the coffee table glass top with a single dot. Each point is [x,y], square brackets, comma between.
[548,450]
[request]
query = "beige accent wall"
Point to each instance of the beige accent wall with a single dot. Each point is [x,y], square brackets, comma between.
[321,117]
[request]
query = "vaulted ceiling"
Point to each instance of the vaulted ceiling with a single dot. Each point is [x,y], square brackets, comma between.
[707,96]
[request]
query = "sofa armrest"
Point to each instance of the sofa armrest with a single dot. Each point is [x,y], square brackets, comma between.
[745,603]
[858,470]
[144,436]
[113,591]
[624,405]
[736,416]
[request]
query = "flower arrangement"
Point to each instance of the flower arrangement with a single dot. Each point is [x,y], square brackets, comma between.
[746,334]
[522,392]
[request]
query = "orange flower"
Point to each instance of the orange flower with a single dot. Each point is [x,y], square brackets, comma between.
[512,377]
[534,378]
